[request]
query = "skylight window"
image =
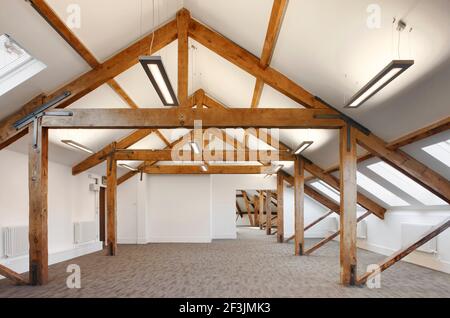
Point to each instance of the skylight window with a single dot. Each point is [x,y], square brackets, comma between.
[16,64]
[405,183]
[380,192]
[327,190]
[440,151]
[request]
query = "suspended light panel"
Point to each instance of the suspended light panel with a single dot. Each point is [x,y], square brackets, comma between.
[387,75]
[154,68]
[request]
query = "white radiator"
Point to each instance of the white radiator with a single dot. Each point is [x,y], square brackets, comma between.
[361,229]
[85,232]
[15,241]
[412,232]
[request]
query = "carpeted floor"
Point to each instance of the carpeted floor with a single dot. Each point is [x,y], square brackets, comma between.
[252,266]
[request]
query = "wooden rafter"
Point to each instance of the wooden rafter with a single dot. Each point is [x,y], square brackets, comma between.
[403,162]
[417,135]
[89,81]
[331,237]
[12,275]
[273,29]
[183,17]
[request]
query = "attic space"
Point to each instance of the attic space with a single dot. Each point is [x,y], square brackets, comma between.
[224,149]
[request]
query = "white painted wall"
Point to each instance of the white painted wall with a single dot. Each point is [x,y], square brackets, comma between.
[224,200]
[69,201]
[179,208]
[384,236]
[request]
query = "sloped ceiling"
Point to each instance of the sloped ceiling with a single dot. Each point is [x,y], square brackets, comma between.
[324,45]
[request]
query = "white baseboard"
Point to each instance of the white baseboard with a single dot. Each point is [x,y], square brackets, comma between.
[417,258]
[20,264]
[231,236]
[179,239]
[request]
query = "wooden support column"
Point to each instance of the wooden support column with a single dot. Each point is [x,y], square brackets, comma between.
[248,208]
[268,213]
[348,203]
[183,17]
[299,205]
[111,204]
[38,208]
[280,209]
[256,206]
[261,210]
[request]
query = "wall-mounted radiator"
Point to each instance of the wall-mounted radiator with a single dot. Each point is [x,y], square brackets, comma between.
[412,232]
[85,232]
[15,241]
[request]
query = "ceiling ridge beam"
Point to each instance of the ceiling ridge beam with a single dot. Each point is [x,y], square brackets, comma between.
[273,30]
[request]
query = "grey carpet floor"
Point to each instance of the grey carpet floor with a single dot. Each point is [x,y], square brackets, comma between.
[252,266]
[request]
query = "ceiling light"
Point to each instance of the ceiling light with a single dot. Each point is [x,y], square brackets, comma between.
[195,147]
[156,72]
[273,170]
[78,146]
[204,167]
[387,75]
[123,165]
[303,146]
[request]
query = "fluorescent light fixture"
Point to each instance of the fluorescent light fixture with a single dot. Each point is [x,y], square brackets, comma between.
[440,151]
[195,147]
[277,168]
[78,146]
[154,68]
[273,169]
[387,75]
[303,146]
[123,165]
[16,64]
[204,167]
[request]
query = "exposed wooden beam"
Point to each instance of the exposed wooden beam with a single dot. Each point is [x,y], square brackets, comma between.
[12,275]
[273,29]
[262,206]
[101,155]
[280,208]
[299,205]
[417,135]
[38,204]
[212,169]
[92,79]
[400,160]
[247,207]
[256,209]
[111,204]
[250,63]
[182,117]
[122,94]
[348,203]
[162,137]
[394,258]
[331,237]
[206,155]
[183,18]
[332,181]
[315,222]
[238,209]
[268,209]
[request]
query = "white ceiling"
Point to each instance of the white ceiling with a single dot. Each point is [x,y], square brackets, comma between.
[324,45]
